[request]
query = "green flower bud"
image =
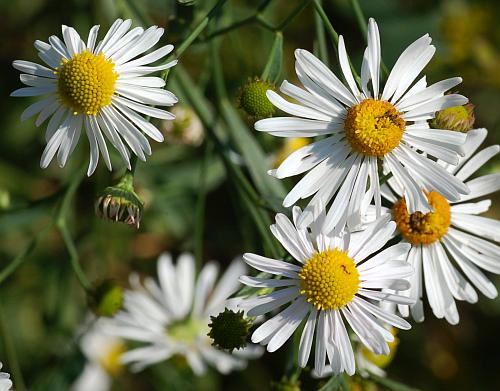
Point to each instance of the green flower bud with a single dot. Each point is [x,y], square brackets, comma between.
[105,298]
[253,100]
[458,118]
[120,203]
[229,330]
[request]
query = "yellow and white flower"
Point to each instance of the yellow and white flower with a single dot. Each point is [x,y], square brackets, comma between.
[100,87]
[172,317]
[363,125]
[103,353]
[452,234]
[334,280]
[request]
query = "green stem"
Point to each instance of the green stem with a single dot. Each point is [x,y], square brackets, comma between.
[18,261]
[198,29]
[10,350]
[320,38]
[61,223]
[283,25]
[200,207]
[335,37]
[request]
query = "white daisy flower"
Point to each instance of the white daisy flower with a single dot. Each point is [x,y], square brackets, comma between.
[362,126]
[172,317]
[103,353]
[336,279]
[453,234]
[5,382]
[98,87]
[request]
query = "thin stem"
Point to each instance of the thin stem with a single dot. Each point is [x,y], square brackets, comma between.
[198,29]
[320,38]
[61,224]
[363,25]
[18,261]
[335,37]
[200,207]
[293,15]
[10,350]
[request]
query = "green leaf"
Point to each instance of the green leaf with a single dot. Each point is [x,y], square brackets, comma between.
[271,189]
[392,384]
[332,385]
[272,70]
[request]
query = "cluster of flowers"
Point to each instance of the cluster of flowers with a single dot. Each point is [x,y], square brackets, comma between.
[343,271]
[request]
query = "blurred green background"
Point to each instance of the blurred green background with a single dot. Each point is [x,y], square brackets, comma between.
[42,305]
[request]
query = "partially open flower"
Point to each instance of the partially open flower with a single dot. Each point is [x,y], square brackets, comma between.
[120,203]
[253,99]
[106,298]
[229,330]
[458,118]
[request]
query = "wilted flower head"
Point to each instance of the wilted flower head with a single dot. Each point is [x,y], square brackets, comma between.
[186,128]
[120,203]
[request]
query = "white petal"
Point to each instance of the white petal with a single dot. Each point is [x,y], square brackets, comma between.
[297,127]
[272,266]
[374,55]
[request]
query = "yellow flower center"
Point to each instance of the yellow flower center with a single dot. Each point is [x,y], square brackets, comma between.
[374,127]
[329,279]
[423,228]
[86,82]
[110,361]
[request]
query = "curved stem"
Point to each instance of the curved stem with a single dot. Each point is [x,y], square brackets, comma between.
[18,261]
[61,223]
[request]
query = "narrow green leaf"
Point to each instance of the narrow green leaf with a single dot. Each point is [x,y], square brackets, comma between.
[392,384]
[274,66]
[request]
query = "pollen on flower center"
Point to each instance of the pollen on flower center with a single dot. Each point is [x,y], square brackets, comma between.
[423,228]
[86,82]
[374,127]
[329,279]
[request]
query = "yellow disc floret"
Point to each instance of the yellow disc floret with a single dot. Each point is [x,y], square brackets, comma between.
[329,279]
[423,228]
[86,82]
[111,360]
[374,127]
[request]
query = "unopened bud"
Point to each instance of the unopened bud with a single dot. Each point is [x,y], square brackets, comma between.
[105,298]
[120,203]
[457,118]
[229,330]
[253,100]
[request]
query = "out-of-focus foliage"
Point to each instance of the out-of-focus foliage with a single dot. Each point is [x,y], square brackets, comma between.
[42,304]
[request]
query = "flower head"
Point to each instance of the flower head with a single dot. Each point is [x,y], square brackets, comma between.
[335,279]
[103,353]
[100,87]
[364,124]
[451,243]
[186,128]
[171,318]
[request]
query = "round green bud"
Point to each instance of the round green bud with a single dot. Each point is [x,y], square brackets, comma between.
[105,298]
[229,330]
[457,118]
[253,100]
[120,203]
